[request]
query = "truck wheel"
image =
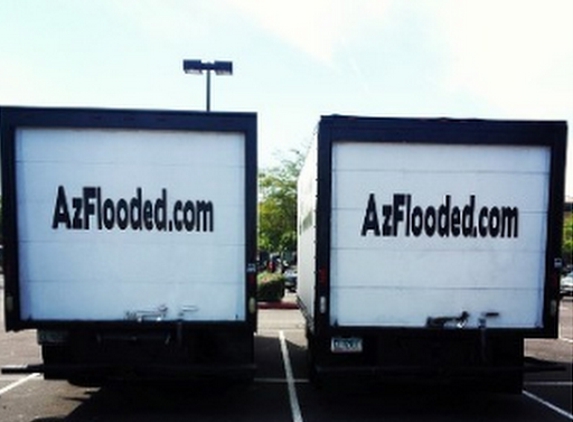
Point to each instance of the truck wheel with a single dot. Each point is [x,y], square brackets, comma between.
[55,354]
[86,382]
[509,383]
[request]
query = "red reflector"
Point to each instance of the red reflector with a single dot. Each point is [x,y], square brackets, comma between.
[322,276]
[555,280]
[252,278]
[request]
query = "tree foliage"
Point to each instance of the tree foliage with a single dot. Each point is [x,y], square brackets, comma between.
[567,249]
[277,204]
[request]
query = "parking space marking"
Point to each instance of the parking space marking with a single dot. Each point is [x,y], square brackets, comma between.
[261,331]
[548,405]
[568,340]
[18,383]
[294,405]
[281,380]
[550,383]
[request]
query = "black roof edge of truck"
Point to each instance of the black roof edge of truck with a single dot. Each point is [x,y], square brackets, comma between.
[122,118]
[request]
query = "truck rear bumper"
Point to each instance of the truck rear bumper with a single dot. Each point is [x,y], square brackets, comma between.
[529,366]
[93,356]
[508,379]
[434,357]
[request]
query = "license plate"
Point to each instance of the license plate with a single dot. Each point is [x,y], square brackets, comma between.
[346,345]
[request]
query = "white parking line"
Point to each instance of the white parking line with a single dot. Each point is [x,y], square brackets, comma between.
[550,383]
[548,405]
[568,340]
[270,380]
[18,383]
[294,406]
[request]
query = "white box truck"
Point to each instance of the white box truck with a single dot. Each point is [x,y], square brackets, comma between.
[130,241]
[430,248]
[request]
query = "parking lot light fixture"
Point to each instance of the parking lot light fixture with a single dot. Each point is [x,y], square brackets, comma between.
[197,67]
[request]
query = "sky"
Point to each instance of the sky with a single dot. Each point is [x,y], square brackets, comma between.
[295,60]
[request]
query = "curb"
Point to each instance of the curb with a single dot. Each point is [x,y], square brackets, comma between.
[277,305]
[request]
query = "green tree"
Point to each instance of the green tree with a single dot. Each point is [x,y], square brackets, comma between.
[277,204]
[567,249]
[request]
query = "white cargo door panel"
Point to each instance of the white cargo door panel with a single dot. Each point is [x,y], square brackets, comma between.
[130,224]
[306,239]
[428,230]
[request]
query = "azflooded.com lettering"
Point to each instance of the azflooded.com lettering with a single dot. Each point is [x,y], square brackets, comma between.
[403,217]
[92,210]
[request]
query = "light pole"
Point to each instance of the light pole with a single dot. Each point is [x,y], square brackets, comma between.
[197,67]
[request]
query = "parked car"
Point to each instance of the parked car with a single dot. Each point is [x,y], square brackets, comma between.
[290,275]
[567,285]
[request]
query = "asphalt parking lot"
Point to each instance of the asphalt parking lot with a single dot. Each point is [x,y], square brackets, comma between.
[281,391]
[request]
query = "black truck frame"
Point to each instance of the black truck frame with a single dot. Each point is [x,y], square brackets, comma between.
[493,358]
[92,352]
